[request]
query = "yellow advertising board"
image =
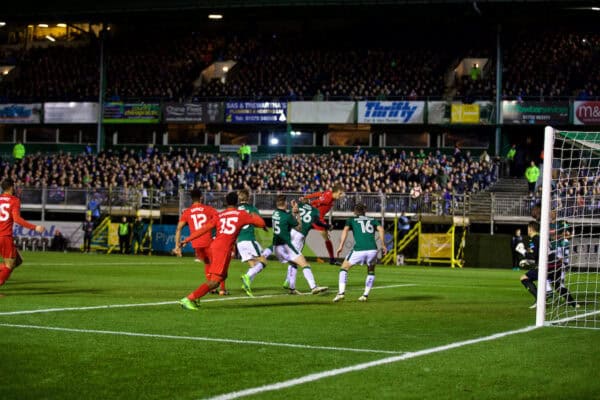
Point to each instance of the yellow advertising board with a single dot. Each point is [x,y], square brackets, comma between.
[435,245]
[113,234]
[465,114]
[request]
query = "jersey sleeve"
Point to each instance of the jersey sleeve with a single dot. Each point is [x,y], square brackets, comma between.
[184,215]
[256,220]
[16,214]
[313,196]
[292,221]
[349,223]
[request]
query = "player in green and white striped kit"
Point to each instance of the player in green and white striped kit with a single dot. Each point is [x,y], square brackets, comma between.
[283,247]
[247,246]
[309,215]
[364,251]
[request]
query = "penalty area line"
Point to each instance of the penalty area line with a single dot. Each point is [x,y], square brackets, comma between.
[162,303]
[363,366]
[198,338]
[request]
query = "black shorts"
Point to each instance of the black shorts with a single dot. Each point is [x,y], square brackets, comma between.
[553,274]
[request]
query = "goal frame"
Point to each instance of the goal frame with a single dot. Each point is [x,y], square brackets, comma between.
[540,317]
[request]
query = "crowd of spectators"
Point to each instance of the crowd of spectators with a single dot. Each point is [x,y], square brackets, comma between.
[138,68]
[414,174]
[157,68]
[271,67]
[544,64]
[578,194]
[53,73]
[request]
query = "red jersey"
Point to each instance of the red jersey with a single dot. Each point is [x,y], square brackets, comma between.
[10,212]
[196,217]
[228,223]
[323,201]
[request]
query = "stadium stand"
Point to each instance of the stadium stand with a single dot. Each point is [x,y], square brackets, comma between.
[546,64]
[386,172]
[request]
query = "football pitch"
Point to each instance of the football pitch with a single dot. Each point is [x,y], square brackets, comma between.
[78,326]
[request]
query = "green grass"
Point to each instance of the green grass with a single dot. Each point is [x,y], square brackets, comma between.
[442,306]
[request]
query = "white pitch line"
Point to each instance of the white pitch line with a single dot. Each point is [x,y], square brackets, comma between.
[38,264]
[162,303]
[574,317]
[363,366]
[201,339]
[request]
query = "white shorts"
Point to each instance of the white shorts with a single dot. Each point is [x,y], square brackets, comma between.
[285,253]
[297,240]
[364,257]
[248,249]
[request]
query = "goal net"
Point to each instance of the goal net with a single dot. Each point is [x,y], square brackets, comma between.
[569,264]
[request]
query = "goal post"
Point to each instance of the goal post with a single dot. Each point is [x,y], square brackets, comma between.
[569,253]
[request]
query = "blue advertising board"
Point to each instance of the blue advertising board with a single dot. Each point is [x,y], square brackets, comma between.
[163,238]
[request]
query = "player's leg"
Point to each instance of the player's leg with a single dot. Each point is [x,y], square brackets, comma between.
[250,251]
[201,255]
[328,244]
[257,263]
[527,281]
[558,281]
[217,273]
[298,259]
[370,259]
[10,257]
[343,278]
[298,243]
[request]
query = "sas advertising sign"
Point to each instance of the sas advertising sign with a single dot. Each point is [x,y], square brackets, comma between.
[267,112]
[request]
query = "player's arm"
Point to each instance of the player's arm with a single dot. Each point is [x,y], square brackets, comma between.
[343,240]
[296,214]
[21,221]
[206,228]
[257,221]
[382,238]
[307,197]
[180,226]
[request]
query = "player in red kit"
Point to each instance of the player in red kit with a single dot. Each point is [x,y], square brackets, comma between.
[323,201]
[195,217]
[10,212]
[228,224]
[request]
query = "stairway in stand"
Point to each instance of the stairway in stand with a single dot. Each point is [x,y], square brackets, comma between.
[480,209]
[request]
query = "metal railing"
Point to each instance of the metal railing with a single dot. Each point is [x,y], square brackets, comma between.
[385,205]
[53,199]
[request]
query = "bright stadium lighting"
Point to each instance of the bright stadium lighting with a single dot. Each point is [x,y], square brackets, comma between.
[215,16]
[50,38]
[595,8]
[225,68]
[2,23]
[43,25]
[62,25]
[274,141]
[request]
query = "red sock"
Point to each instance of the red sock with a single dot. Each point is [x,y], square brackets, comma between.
[4,273]
[222,285]
[201,291]
[329,246]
